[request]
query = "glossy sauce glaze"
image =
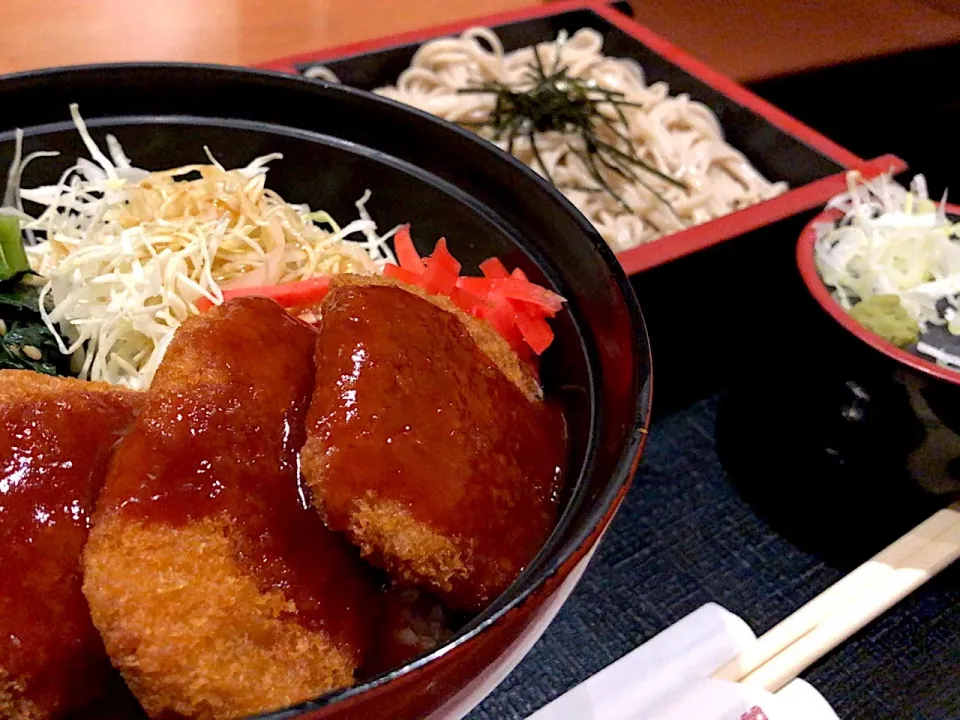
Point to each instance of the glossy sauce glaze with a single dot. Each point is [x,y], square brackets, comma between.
[409,410]
[56,441]
[220,438]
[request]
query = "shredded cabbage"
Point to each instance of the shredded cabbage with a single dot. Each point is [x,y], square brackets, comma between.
[127,253]
[892,241]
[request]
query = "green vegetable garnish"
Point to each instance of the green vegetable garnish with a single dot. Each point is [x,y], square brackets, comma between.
[13,258]
[30,346]
[886,316]
[22,295]
[26,342]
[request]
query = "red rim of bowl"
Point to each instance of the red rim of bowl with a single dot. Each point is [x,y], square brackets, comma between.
[817,288]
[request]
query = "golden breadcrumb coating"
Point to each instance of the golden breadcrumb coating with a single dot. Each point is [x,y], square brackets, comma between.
[143,580]
[13,702]
[218,593]
[386,529]
[428,443]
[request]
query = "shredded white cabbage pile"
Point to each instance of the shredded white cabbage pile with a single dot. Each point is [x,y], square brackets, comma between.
[128,253]
[893,241]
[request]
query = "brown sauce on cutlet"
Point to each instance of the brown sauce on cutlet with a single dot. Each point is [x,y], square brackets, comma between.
[410,410]
[231,449]
[52,464]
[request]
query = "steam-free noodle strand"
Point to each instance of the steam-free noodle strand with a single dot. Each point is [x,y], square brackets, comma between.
[674,134]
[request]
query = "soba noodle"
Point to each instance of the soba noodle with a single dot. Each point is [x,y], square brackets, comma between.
[679,136]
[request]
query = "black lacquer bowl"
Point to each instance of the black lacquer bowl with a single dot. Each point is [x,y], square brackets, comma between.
[337,143]
[841,439]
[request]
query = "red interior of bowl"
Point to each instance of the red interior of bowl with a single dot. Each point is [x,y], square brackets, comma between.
[820,292]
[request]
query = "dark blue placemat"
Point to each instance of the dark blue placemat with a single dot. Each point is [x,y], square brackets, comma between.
[684,537]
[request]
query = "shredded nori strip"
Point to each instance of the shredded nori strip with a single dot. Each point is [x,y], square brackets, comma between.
[558,101]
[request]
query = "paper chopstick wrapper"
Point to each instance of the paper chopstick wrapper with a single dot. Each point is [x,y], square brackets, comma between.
[711,699]
[667,678]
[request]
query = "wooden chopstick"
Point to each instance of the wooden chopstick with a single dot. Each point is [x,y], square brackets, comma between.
[930,559]
[831,617]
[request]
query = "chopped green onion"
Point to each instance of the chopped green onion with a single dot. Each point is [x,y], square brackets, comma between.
[13,258]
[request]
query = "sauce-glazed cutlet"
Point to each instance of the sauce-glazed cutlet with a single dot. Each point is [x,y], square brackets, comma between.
[428,443]
[58,434]
[218,591]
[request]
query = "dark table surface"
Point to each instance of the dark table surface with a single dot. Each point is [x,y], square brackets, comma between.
[684,537]
[686,534]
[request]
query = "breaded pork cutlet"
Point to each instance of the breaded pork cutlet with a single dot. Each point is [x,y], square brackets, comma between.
[58,434]
[218,592]
[428,443]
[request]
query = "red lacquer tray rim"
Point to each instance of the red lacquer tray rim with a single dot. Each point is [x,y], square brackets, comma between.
[691,240]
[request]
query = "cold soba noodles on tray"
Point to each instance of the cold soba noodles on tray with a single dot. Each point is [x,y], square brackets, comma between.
[637,161]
